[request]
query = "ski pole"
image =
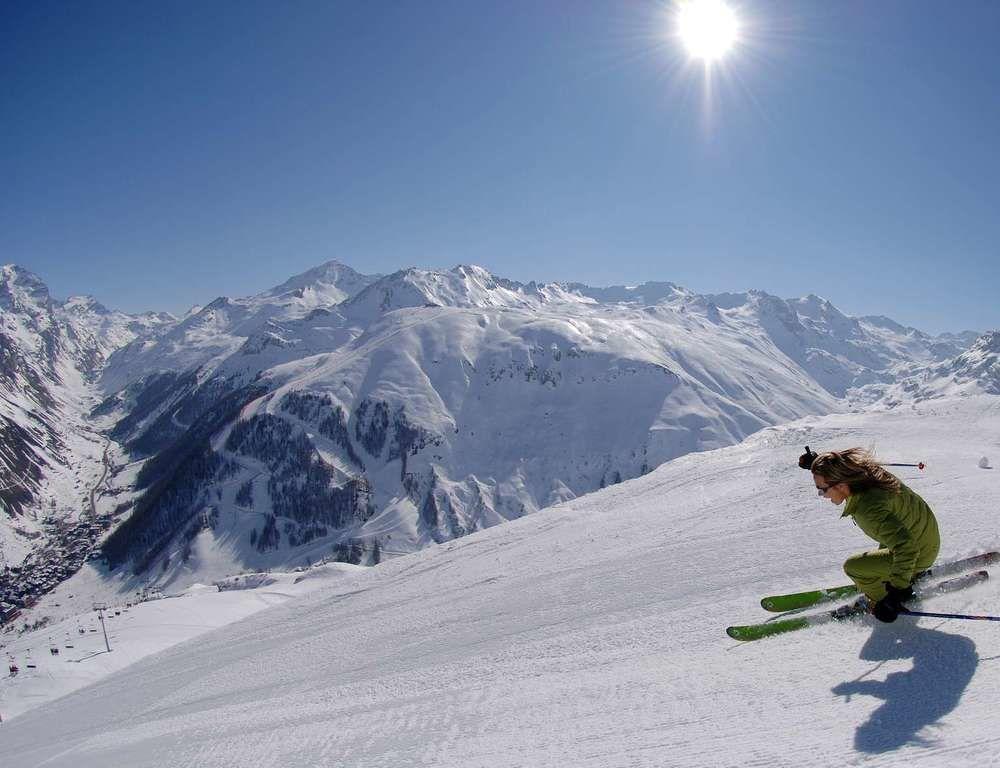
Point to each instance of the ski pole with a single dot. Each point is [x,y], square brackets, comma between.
[930,615]
[918,465]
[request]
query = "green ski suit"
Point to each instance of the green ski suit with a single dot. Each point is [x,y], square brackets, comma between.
[907,535]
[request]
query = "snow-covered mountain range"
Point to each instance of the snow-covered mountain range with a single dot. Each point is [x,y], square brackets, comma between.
[974,371]
[359,416]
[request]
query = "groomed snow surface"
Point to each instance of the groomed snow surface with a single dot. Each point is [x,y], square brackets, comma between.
[588,634]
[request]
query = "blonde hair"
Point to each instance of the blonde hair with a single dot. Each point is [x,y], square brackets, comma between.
[856,467]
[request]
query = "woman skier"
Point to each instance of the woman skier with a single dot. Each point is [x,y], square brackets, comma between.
[887,511]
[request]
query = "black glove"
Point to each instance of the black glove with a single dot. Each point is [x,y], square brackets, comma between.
[889,607]
[806,459]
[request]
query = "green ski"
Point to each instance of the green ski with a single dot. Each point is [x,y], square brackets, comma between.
[858,608]
[796,600]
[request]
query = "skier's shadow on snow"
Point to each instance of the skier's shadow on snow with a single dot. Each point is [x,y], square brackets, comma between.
[943,666]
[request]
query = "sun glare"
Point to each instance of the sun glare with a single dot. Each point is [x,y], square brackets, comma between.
[708,28]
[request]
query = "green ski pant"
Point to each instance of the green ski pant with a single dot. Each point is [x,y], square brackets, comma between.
[870,570]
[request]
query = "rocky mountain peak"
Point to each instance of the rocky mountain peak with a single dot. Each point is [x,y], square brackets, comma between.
[987,344]
[980,364]
[23,291]
[81,305]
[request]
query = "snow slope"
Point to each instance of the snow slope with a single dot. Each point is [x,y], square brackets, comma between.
[136,628]
[591,634]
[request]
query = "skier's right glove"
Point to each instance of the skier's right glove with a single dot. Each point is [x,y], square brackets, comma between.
[806,459]
[889,607]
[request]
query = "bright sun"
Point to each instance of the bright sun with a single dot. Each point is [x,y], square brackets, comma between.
[708,28]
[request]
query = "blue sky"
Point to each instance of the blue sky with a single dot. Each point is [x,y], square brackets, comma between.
[157,155]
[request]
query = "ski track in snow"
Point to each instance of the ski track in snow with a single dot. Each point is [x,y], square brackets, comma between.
[590,634]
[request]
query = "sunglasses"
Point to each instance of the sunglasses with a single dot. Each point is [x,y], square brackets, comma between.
[823,491]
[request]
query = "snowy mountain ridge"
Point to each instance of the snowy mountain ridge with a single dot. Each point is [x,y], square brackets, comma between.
[216,330]
[431,404]
[974,371]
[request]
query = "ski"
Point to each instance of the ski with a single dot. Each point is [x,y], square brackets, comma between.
[796,600]
[858,608]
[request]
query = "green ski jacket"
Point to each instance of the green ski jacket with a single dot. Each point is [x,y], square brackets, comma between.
[901,522]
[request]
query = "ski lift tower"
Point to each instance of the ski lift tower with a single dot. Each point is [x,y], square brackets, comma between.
[101,608]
